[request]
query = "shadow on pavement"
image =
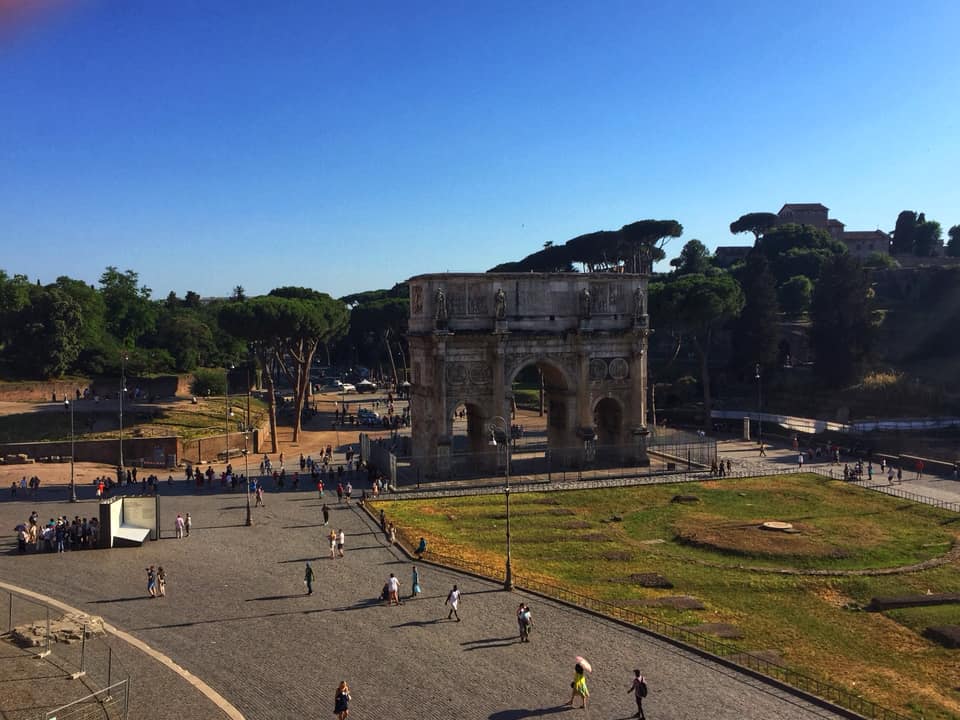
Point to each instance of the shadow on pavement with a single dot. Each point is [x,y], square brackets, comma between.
[490,643]
[418,623]
[274,597]
[123,599]
[520,713]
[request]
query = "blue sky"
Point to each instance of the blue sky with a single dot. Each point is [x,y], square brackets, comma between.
[347,146]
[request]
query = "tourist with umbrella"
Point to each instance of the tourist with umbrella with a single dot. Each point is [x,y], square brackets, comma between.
[578,687]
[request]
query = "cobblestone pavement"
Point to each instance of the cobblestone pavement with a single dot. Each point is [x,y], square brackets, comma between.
[236,615]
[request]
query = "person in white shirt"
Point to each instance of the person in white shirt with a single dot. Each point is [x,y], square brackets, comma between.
[453,600]
[393,590]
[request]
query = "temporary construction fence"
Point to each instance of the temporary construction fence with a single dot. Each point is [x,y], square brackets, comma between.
[109,703]
[675,451]
[75,646]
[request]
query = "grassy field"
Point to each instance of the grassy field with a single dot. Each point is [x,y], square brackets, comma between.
[183,419]
[597,542]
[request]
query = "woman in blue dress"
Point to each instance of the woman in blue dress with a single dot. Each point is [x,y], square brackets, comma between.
[415,584]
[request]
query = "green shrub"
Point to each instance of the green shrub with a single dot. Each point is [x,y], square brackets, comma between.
[208,381]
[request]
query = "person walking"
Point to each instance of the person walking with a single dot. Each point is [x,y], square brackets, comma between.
[259,495]
[578,687]
[341,701]
[340,541]
[639,689]
[524,622]
[899,475]
[800,461]
[415,583]
[308,579]
[161,581]
[332,537]
[179,525]
[151,582]
[453,600]
[763,449]
[188,523]
[326,513]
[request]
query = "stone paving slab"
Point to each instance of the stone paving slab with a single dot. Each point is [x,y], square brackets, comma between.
[236,615]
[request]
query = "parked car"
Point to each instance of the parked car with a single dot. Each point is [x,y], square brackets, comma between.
[365,386]
[368,417]
[337,386]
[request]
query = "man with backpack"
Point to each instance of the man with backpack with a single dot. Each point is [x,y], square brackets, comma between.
[639,689]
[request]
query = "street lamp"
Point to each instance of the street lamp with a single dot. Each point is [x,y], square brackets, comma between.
[508,580]
[73,486]
[123,391]
[246,479]
[228,413]
[759,407]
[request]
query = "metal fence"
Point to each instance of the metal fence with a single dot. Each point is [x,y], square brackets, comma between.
[729,653]
[88,660]
[672,452]
[109,703]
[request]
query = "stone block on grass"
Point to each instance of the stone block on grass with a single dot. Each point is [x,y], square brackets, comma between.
[946,635]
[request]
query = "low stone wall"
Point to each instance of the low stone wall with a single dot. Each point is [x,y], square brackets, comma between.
[161,451]
[163,386]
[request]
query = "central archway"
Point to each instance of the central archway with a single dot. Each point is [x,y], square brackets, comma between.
[541,351]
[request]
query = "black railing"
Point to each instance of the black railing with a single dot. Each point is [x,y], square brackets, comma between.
[730,653]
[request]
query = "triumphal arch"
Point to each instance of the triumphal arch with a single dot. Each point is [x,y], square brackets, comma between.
[470,335]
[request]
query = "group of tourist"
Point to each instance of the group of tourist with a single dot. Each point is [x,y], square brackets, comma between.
[156,582]
[25,486]
[57,535]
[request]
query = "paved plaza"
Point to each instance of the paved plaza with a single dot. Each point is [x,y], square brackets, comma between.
[236,616]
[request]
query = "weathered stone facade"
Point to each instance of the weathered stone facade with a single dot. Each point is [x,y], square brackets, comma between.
[471,334]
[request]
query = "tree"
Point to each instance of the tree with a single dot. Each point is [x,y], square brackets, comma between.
[694,258]
[129,312]
[96,346]
[373,323]
[927,238]
[755,331]
[697,305]
[261,322]
[795,295]
[597,251]
[14,296]
[756,223]
[842,332]
[642,242]
[312,318]
[880,261]
[238,294]
[46,339]
[904,233]
[953,245]
[798,250]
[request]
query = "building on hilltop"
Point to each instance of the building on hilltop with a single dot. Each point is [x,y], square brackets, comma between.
[864,243]
[860,243]
[804,214]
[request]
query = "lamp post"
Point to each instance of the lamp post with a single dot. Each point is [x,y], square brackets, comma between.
[246,479]
[508,580]
[123,391]
[73,486]
[228,413]
[759,408]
